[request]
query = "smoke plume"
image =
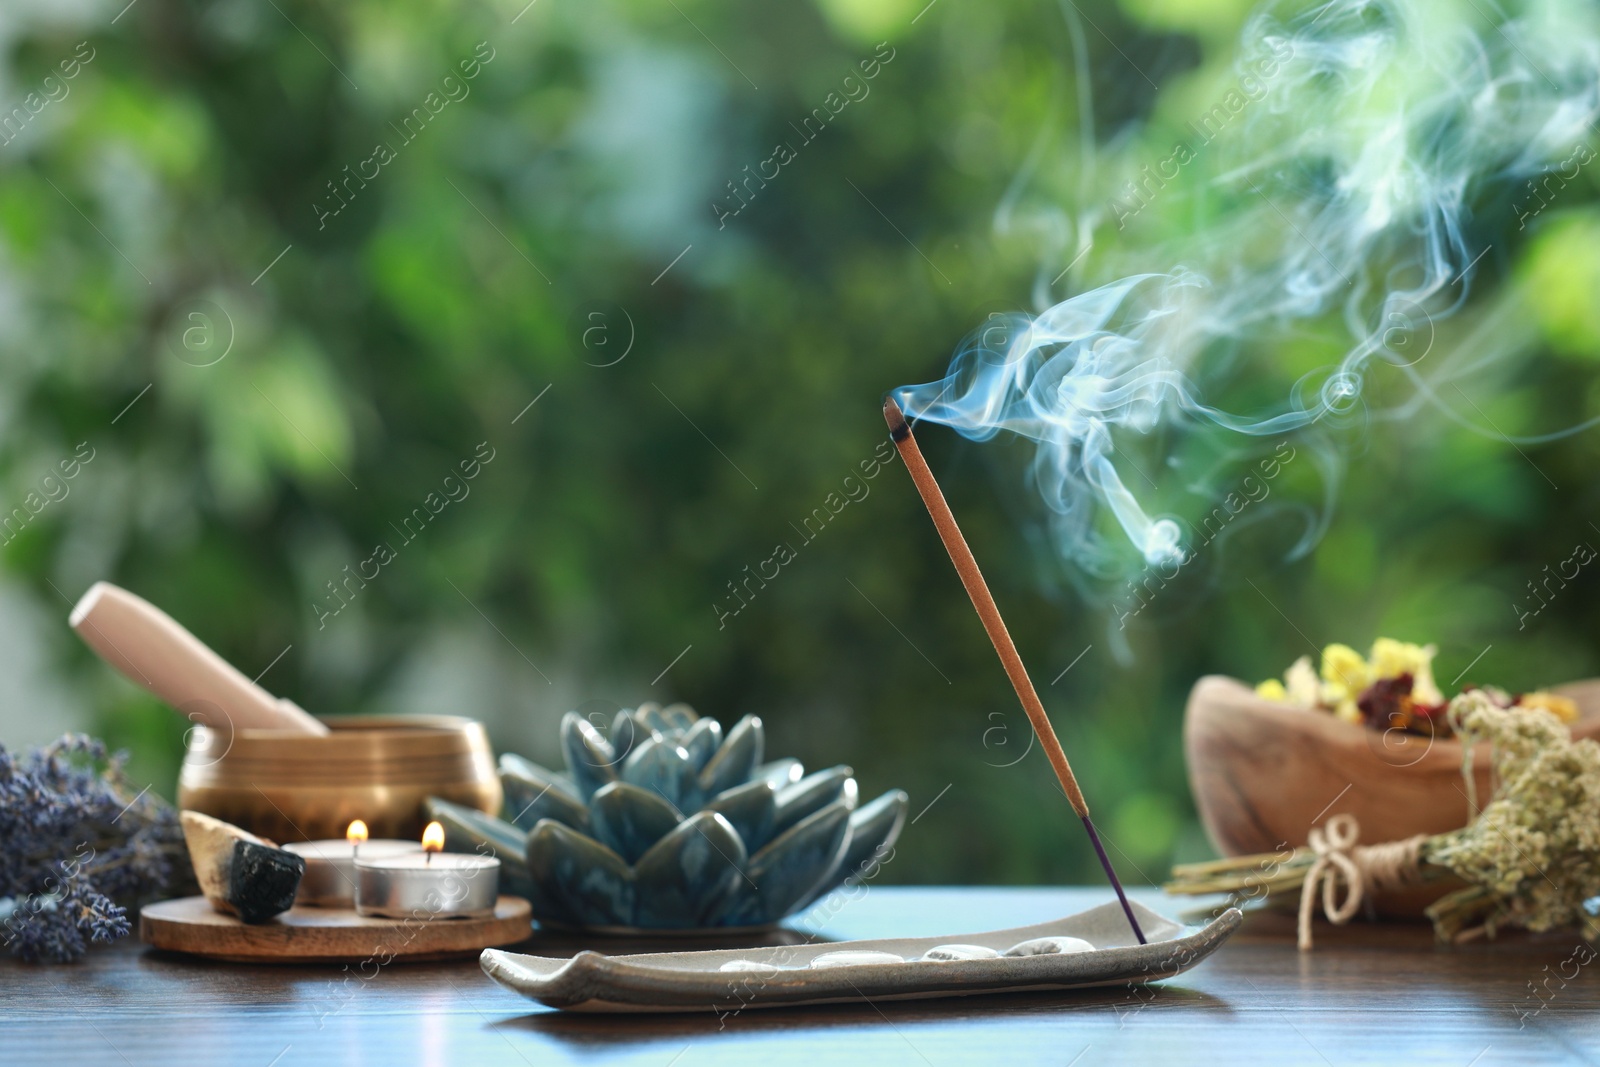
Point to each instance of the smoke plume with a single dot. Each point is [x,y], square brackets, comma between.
[1369,138]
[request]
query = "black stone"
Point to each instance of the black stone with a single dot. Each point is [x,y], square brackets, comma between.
[262,880]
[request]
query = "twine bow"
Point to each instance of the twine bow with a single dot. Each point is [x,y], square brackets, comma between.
[1363,868]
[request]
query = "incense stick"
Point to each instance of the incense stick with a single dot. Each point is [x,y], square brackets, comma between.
[972,578]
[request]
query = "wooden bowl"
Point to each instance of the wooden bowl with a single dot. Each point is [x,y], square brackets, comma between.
[296,787]
[1263,773]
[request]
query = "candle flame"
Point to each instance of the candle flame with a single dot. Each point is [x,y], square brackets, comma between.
[433,838]
[357,832]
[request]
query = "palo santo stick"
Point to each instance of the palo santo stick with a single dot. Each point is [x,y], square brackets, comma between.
[971,577]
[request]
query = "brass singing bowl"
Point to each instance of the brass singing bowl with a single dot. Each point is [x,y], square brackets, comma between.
[380,769]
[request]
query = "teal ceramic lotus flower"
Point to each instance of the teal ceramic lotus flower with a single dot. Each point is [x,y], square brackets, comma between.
[669,823]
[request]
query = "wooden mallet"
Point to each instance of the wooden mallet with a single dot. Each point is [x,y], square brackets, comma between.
[972,578]
[152,649]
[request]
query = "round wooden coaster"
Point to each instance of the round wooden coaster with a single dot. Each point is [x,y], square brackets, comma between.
[327,935]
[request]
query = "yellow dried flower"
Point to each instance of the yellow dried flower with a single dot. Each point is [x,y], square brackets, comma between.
[1272,689]
[1563,708]
[1344,674]
[1299,686]
[1391,658]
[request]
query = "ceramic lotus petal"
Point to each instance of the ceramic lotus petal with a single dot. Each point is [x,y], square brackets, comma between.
[692,873]
[873,826]
[796,862]
[781,772]
[811,794]
[663,767]
[701,741]
[752,808]
[591,760]
[576,879]
[629,820]
[736,758]
[533,793]
[665,821]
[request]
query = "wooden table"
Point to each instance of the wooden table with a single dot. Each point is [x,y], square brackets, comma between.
[1367,994]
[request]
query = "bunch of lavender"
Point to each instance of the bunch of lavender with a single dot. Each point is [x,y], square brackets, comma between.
[78,847]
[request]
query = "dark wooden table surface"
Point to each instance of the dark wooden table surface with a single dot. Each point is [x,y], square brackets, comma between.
[1368,994]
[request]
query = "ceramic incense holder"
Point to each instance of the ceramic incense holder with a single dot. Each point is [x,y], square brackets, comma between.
[1092,948]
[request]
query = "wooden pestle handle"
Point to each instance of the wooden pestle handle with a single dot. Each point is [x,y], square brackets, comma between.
[150,648]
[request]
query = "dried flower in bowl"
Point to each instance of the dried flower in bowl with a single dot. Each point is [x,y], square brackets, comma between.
[1392,688]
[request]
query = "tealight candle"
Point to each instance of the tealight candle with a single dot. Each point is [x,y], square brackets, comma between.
[430,885]
[330,878]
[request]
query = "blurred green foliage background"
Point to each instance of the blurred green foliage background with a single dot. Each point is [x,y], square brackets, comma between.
[268,388]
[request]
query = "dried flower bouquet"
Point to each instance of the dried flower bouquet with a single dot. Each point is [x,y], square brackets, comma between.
[1531,857]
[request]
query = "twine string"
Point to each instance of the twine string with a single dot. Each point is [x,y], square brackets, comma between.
[1362,869]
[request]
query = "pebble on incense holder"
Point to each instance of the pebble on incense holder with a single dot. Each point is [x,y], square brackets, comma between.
[330,878]
[433,884]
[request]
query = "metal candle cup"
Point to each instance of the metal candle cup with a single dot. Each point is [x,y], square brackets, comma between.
[330,878]
[444,885]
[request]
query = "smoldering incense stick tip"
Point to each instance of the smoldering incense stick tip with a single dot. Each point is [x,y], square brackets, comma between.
[899,430]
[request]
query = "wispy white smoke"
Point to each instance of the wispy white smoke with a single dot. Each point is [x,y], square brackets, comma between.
[1368,149]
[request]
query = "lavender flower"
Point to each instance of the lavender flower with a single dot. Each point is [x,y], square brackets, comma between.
[78,847]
